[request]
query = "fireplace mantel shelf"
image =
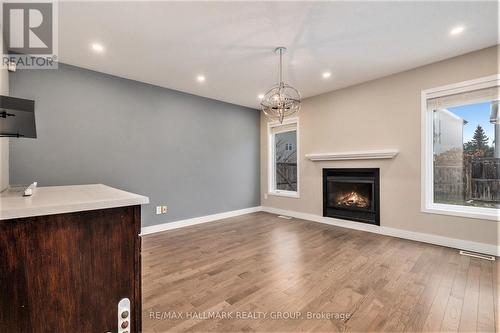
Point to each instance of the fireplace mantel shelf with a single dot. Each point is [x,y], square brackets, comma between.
[353,155]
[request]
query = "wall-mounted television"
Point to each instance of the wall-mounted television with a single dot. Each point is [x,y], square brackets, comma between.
[17,117]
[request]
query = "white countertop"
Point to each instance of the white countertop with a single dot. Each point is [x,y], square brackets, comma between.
[65,199]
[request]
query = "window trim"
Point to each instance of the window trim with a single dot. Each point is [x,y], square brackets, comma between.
[271,190]
[427,170]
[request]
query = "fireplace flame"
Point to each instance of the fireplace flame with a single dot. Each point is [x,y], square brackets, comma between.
[354,199]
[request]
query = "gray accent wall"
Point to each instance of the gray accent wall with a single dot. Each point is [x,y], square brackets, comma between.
[196,155]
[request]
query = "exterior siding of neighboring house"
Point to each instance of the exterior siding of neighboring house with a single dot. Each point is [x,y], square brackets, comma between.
[286,161]
[495,120]
[448,156]
[448,131]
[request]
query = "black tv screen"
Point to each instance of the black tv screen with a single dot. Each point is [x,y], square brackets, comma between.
[17,117]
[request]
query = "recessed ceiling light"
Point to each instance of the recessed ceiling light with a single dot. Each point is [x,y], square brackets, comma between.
[326,75]
[97,47]
[457,30]
[260,96]
[200,78]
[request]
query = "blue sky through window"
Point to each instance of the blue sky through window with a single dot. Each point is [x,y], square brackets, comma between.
[475,114]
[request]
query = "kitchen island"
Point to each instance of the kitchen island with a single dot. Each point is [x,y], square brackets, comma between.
[68,256]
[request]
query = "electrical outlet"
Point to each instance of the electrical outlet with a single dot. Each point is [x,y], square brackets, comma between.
[158,210]
[164,209]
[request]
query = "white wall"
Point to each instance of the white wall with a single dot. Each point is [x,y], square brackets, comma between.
[4,142]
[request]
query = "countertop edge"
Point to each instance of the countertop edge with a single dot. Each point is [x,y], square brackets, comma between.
[60,206]
[72,208]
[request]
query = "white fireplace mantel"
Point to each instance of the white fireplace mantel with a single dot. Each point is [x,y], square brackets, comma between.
[353,155]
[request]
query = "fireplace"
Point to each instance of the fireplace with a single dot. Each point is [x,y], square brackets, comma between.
[352,194]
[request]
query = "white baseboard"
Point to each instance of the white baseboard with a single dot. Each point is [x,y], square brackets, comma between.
[400,233]
[197,220]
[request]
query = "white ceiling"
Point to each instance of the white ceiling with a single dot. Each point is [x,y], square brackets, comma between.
[169,43]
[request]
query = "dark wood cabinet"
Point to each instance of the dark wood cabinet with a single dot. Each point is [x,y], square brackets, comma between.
[66,273]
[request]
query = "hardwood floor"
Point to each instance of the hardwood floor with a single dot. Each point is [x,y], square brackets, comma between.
[272,269]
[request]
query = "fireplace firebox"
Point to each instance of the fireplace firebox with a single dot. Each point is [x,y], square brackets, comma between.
[352,194]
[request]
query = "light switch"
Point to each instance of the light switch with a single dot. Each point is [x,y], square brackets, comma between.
[158,210]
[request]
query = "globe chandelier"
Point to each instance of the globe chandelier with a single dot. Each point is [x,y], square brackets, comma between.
[282,100]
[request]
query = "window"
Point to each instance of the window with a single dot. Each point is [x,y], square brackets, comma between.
[461,157]
[283,162]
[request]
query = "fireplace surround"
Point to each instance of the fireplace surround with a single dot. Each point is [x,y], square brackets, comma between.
[352,194]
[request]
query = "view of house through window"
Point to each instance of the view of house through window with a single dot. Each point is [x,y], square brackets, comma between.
[285,160]
[466,151]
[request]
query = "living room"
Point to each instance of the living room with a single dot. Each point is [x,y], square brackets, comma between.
[249,166]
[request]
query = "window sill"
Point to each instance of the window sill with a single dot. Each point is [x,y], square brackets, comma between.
[469,212]
[286,194]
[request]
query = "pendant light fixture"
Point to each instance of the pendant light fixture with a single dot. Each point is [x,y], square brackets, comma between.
[281,100]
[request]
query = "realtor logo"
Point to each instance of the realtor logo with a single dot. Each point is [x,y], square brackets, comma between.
[29,32]
[28,27]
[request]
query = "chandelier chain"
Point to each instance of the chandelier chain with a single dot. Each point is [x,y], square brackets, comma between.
[281,65]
